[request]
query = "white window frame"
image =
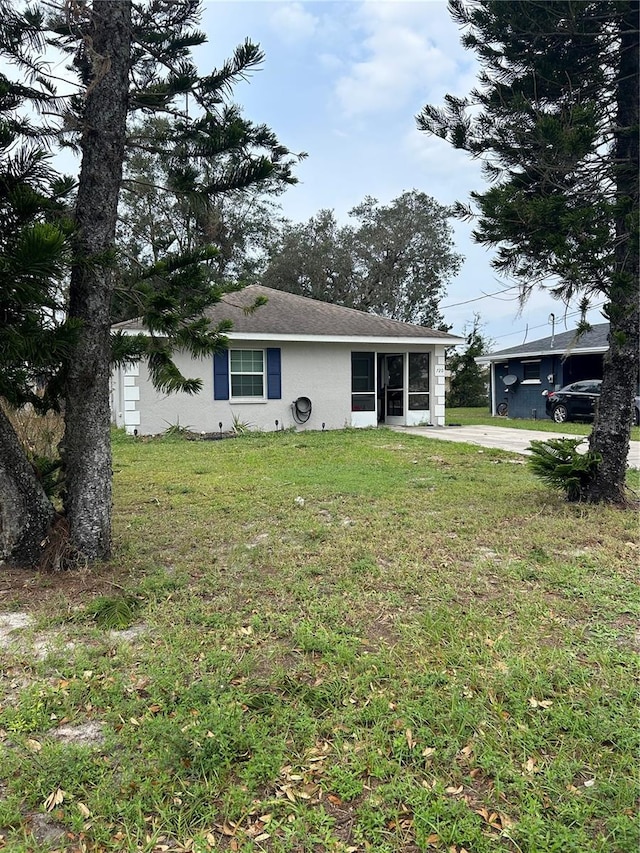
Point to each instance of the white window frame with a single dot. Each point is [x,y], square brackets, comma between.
[537,381]
[244,398]
[371,393]
[426,393]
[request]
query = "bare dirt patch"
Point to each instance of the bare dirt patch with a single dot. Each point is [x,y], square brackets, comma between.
[260,539]
[344,816]
[15,681]
[86,734]
[45,643]
[128,635]
[30,591]
[45,829]
[380,632]
[10,624]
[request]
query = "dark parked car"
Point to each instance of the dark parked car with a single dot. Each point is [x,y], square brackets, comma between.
[578,401]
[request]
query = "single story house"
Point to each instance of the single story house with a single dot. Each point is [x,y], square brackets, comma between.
[294,362]
[519,375]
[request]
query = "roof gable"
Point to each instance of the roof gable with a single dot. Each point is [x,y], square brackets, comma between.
[290,315]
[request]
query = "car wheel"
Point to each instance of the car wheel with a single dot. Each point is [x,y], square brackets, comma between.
[560,414]
[502,410]
[636,419]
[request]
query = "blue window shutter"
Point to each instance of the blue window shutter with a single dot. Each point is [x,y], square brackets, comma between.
[274,385]
[221,375]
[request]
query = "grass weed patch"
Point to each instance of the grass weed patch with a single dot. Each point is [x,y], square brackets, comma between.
[352,641]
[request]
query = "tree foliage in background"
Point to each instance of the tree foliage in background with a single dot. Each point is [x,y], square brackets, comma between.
[395,260]
[168,209]
[554,120]
[313,259]
[127,58]
[468,383]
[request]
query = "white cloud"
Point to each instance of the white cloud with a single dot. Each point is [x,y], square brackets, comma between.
[293,23]
[404,50]
[452,172]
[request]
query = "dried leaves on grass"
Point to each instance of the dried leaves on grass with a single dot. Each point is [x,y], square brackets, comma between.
[450,670]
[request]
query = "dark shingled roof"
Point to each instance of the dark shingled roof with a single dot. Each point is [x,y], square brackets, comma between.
[596,339]
[289,314]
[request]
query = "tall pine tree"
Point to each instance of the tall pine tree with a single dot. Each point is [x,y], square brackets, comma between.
[165,214]
[554,120]
[131,57]
[35,248]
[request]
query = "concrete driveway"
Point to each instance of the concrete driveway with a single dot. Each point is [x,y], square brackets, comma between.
[501,438]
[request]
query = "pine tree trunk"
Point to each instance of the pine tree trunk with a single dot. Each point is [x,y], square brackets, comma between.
[26,513]
[86,446]
[612,427]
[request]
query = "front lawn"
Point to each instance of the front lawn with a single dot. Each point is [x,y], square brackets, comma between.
[356,641]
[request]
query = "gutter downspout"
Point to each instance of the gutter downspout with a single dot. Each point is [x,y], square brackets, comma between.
[493,388]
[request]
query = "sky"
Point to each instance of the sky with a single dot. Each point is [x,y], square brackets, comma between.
[343,81]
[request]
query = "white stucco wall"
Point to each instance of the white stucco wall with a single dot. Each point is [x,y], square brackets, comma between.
[320,371]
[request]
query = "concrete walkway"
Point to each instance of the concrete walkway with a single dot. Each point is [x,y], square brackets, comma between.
[501,438]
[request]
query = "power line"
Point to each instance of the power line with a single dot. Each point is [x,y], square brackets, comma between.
[542,325]
[478,298]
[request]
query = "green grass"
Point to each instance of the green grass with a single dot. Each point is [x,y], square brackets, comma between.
[482,416]
[429,652]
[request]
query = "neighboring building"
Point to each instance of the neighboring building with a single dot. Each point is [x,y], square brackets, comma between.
[519,375]
[295,362]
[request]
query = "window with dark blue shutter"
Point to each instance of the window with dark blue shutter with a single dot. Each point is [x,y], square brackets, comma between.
[274,383]
[221,375]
